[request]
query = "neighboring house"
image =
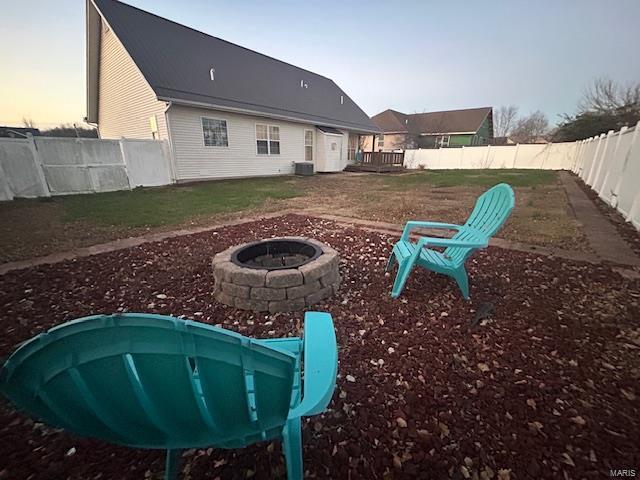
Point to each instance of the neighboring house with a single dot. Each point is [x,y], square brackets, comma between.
[451,128]
[226,111]
[18,132]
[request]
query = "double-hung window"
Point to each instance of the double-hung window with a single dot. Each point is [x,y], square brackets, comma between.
[267,139]
[308,145]
[214,132]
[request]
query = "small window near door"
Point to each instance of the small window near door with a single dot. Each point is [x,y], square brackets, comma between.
[214,132]
[443,140]
[380,141]
[267,139]
[308,145]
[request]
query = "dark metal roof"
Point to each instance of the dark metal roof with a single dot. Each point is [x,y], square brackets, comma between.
[328,129]
[451,121]
[176,62]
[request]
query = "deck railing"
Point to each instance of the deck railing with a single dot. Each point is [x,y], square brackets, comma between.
[382,158]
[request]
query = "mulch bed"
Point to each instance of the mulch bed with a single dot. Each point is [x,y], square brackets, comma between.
[626,230]
[546,387]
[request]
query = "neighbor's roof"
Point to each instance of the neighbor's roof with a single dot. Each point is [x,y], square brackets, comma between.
[176,61]
[450,121]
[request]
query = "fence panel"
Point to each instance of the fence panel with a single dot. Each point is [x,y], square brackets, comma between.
[41,166]
[611,175]
[75,165]
[148,162]
[21,172]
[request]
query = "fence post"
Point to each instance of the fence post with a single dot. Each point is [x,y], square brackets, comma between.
[37,160]
[578,162]
[124,160]
[584,157]
[603,152]
[461,158]
[596,155]
[487,163]
[515,155]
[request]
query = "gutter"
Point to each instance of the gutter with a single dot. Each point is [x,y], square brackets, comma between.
[265,115]
[172,152]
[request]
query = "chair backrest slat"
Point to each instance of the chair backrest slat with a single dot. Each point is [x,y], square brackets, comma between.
[152,381]
[491,210]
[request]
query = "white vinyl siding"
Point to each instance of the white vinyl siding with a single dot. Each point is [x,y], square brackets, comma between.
[240,159]
[126,102]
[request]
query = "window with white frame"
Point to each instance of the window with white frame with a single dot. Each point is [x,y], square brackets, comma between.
[308,145]
[443,140]
[267,139]
[214,132]
[380,141]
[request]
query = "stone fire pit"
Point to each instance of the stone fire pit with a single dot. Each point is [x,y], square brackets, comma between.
[276,274]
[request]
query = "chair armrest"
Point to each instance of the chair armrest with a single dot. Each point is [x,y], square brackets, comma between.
[417,224]
[320,364]
[450,242]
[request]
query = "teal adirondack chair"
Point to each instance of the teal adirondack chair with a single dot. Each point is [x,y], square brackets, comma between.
[492,209]
[153,381]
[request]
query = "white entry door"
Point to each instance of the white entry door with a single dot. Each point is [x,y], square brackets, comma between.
[333,148]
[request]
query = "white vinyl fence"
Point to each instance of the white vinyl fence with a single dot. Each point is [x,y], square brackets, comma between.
[609,163]
[44,166]
[549,156]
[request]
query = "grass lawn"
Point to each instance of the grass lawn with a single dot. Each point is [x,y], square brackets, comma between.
[40,226]
[152,207]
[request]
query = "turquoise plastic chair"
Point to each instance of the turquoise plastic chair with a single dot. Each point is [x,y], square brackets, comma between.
[491,211]
[152,381]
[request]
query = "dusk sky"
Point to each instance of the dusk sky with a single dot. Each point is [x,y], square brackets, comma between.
[409,56]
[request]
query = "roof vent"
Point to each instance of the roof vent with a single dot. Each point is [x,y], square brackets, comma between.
[341,99]
[212,74]
[303,85]
[406,121]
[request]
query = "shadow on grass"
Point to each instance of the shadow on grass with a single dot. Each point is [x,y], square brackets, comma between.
[144,207]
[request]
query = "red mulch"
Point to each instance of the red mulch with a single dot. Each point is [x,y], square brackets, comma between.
[626,230]
[547,387]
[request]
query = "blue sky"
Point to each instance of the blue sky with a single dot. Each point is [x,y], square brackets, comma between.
[410,56]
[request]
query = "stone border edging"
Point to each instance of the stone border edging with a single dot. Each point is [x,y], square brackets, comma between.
[380,227]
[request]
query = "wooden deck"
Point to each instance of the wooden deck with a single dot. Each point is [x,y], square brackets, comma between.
[379,162]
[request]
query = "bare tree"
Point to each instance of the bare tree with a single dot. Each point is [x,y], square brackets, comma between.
[607,96]
[605,105]
[504,120]
[531,128]
[28,122]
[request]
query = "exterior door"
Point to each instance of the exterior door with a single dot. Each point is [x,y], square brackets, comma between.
[333,146]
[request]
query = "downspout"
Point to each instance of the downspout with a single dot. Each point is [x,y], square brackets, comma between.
[172,153]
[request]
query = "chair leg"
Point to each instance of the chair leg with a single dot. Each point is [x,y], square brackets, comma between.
[404,269]
[292,447]
[462,279]
[172,464]
[390,262]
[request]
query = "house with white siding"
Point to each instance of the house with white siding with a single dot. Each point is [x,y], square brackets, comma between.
[226,111]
